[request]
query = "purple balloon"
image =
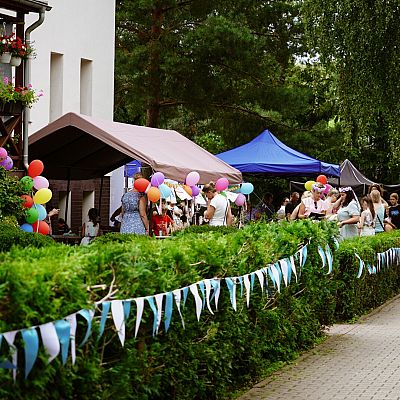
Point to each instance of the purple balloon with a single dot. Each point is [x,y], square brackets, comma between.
[40,182]
[192,178]
[7,163]
[3,154]
[195,190]
[221,184]
[157,179]
[240,200]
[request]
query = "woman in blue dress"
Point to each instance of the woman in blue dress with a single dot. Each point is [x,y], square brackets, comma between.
[134,217]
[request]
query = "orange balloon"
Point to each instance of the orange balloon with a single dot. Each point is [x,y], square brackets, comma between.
[188,190]
[322,179]
[153,194]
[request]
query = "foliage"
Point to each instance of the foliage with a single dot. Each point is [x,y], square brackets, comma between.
[5,44]
[20,49]
[10,190]
[10,93]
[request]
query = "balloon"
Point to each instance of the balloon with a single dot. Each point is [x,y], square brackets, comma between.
[27,227]
[31,215]
[41,227]
[42,196]
[246,188]
[157,179]
[308,185]
[192,178]
[35,168]
[188,190]
[41,211]
[322,179]
[165,191]
[3,154]
[195,190]
[7,163]
[154,194]
[328,187]
[26,183]
[141,184]
[221,184]
[27,201]
[240,200]
[40,182]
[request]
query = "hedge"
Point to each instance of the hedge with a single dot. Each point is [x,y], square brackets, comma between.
[209,359]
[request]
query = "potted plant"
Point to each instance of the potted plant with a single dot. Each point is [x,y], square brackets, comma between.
[5,49]
[14,98]
[19,51]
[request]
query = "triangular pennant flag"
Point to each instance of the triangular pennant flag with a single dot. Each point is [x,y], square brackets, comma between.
[216,284]
[50,340]
[336,242]
[247,286]
[139,312]
[6,364]
[10,337]
[304,251]
[169,300]
[127,309]
[185,294]
[197,299]
[240,279]
[150,300]
[275,274]
[159,301]
[117,310]
[203,294]
[88,315]
[207,284]
[329,259]
[252,279]
[72,323]
[177,295]
[369,268]
[63,333]
[322,255]
[260,277]
[361,267]
[293,265]
[105,308]
[285,271]
[271,275]
[31,346]
[232,291]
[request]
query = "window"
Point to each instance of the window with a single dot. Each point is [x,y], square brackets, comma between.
[86,87]
[56,86]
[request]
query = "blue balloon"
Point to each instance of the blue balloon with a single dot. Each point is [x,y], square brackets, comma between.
[27,227]
[164,190]
[41,210]
[246,188]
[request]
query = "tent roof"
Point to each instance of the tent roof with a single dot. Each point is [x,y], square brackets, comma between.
[80,147]
[351,176]
[267,155]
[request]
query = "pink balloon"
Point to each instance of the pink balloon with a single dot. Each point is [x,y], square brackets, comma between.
[7,163]
[195,190]
[157,179]
[328,187]
[240,200]
[3,154]
[40,182]
[221,184]
[192,178]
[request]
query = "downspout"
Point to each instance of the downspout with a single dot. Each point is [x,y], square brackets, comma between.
[27,78]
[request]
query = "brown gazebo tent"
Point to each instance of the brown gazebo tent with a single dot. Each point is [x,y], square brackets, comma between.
[76,147]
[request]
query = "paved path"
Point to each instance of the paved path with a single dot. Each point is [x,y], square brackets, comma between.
[359,361]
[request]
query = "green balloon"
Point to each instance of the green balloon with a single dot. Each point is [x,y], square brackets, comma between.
[31,215]
[26,183]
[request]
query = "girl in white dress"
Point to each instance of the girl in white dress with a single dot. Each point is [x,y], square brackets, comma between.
[90,229]
[366,225]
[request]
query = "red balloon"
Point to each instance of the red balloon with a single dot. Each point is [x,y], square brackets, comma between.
[41,227]
[141,184]
[27,201]
[322,179]
[35,168]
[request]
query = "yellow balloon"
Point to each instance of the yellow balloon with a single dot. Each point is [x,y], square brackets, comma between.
[308,185]
[42,196]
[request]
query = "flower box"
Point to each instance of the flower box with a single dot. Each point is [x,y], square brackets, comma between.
[11,108]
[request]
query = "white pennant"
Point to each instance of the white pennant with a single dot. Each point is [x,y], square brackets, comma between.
[247,286]
[300,252]
[50,340]
[275,273]
[285,271]
[260,277]
[10,337]
[117,310]
[207,285]
[217,292]
[293,266]
[139,312]
[197,299]
[177,296]
[72,323]
[159,300]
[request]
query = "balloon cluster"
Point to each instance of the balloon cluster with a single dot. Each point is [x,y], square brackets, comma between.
[35,212]
[320,179]
[5,160]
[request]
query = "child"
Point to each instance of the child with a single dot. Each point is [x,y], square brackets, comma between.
[366,225]
[162,222]
[90,229]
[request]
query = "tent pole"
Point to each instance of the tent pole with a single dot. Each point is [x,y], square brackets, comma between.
[100,196]
[68,189]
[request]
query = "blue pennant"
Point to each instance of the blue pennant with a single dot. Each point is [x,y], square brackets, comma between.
[304,252]
[105,308]
[252,278]
[88,317]
[154,309]
[63,333]
[289,264]
[241,285]
[329,258]
[185,291]
[127,308]
[231,286]
[169,298]
[203,293]
[31,345]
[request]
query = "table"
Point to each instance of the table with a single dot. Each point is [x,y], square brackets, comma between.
[67,239]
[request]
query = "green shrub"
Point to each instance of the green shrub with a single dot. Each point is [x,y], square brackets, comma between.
[10,191]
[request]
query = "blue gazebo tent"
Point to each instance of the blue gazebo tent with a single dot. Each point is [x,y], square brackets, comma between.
[266,155]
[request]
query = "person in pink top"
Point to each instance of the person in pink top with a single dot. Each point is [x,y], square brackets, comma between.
[314,206]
